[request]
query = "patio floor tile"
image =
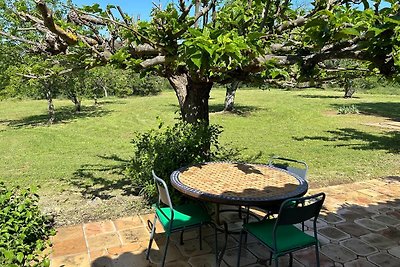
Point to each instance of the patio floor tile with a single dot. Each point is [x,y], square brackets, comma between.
[104,241]
[333,233]
[349,215]
[394,214]
[352,229]
[378,241]
[358,247]
[178,263]
[79,260]
[69,232]
[69,247]
[359,263]
[116,251]
[134,235]
[307,257]
[338,253]
[192,248]
[128,223]
[384,260]
[395,251]
[259,250]
[206,260]
[332,218]
[370,224]
[95,228]
[388,220]
[246,257]
[157,253]
[232,243]
[392,233]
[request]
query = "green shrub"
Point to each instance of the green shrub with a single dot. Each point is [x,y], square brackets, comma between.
[24,230]
[169,148]
[352,109]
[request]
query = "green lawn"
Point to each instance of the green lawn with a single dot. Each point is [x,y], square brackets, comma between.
[83,153]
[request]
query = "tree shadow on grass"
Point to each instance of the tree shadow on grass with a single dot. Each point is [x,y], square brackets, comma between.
[389,141]
[101,180]
[63,115]
[324,96]
[107,102]
[105,180]
[390,110]
[240,110]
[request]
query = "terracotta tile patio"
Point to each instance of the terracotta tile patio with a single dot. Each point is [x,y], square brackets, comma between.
[359,226]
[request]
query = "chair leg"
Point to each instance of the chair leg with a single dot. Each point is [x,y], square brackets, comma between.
[200,236]
[290,259]
[276,261]
[165,252]
[181,239]
[317,253]
[239,249]
[270,258]
[217,262]
[153,230]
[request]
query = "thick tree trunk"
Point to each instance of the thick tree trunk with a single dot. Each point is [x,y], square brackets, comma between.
[230,95]
[193,97]
[50,105]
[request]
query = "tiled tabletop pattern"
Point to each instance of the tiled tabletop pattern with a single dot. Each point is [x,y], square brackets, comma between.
[359,227]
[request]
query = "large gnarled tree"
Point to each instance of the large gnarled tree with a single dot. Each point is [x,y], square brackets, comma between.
[195,44]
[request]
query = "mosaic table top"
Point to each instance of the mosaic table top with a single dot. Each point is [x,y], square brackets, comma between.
[238,183]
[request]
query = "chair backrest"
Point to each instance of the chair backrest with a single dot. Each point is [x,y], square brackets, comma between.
[163,194]
[297,210]
[292,165]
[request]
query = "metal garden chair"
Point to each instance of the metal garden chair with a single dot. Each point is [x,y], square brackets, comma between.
[297,167]
[280,235]
[177,218]
[292,165]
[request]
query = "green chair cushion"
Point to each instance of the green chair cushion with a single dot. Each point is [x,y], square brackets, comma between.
[288,236]
[184,216]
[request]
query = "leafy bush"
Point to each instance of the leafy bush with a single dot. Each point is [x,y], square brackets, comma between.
[24,230]
[169,148]
[348,110]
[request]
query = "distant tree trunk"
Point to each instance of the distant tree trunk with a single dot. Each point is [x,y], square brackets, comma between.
[105,91]
[100,84]
[76,102]
[50,105]
[230,95]
[95,100]
[193,97]
[349,89]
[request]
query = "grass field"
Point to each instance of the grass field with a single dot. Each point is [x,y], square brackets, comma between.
[78,161]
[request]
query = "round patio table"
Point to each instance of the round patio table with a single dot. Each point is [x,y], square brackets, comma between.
[234,183]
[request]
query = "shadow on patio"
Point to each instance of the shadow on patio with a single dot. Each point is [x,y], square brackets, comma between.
[359,226]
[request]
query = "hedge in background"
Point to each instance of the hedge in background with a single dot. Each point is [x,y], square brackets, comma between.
[24,230]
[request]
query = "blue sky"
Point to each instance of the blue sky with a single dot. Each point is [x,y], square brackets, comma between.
[131,7]
[143,7]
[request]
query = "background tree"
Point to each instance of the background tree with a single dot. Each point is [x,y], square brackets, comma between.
[195,44]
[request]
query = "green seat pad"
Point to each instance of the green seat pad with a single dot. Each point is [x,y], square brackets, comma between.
[184,216]
[288,236]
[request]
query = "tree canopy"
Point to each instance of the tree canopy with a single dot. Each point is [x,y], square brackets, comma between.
[197,43]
